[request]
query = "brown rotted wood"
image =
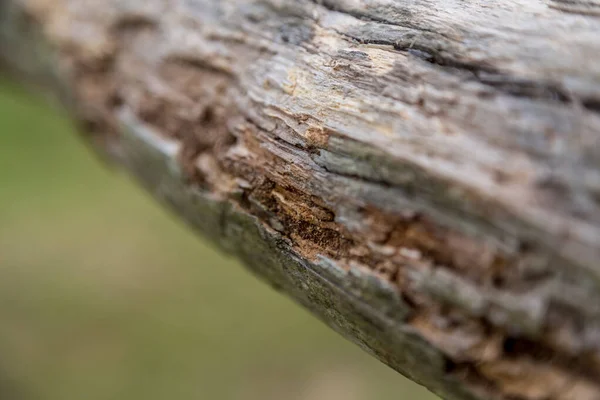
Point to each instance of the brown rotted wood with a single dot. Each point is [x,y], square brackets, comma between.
[423,175]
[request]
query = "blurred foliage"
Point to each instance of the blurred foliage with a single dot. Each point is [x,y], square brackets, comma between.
[103,295]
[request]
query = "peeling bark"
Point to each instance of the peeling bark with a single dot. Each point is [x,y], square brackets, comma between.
[424,176]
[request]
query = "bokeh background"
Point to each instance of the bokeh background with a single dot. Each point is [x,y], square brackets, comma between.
[104,295]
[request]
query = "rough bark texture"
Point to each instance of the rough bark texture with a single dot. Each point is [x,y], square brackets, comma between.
[423,175]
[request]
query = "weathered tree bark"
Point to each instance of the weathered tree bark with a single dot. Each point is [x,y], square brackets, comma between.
[424,176]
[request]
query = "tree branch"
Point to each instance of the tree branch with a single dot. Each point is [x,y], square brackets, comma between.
[423,176]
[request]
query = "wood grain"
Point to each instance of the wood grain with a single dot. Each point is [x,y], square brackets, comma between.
[423,175]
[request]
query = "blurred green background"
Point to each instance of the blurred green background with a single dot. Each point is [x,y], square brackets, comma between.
[103,295]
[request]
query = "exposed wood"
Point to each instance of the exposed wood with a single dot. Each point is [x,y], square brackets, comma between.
[423,175]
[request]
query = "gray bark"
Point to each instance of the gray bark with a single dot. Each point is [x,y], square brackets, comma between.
[423,176]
